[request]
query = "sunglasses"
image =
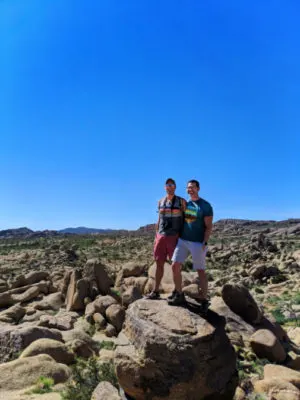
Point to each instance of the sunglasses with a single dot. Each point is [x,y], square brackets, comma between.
[170,184]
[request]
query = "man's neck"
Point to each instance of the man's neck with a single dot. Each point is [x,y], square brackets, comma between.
[170,196]
[195,198]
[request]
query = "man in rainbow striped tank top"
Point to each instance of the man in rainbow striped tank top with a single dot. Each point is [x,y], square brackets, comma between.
[169,225]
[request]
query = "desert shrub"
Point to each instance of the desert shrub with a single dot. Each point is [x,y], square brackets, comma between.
[86,375]
[108,345]
[278,315]
[44,385]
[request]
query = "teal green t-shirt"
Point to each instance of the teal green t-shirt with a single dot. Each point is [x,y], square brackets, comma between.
[194,226]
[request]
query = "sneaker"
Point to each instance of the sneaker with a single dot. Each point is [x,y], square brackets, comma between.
[177,300]
[172,295]
[204,305]
[153,295]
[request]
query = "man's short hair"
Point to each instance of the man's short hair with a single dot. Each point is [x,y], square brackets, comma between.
[170,180]
[195,182]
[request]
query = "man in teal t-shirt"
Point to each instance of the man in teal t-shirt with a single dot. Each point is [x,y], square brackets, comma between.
[193,240]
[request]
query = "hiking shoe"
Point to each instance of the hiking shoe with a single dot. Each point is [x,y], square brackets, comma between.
[204,305]
[177,300]
[153,295]
[172,295]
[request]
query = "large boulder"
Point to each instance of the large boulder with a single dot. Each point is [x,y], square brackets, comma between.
[294,335]
[130,269]
[36,276]
[51,302]
[272,371]
[44,287]
[97,275]
[78,290]
[15,339]
[6,300]
[138,282]
[235,325]
[266,345]
[78,334]
[130,295]
[174,353]
[66,282]
[99,305]
[62,321]
[28,295]
[258,271]
[29,279]
[240,301]
[167,283]
[13,314]
[24,372]
[277,389]
[3,286]
[57,350]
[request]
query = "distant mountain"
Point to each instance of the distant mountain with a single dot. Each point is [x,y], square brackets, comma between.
[8,233]
[147,228]
[25,233]
[82,230]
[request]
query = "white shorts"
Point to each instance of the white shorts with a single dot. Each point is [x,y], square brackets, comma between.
[185,247]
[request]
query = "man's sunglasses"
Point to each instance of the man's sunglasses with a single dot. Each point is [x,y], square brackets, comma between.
[170,184]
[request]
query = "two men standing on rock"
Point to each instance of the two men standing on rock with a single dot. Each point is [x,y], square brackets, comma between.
[183,228]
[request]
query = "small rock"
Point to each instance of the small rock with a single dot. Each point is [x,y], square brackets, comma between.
[115,314]
[105,391]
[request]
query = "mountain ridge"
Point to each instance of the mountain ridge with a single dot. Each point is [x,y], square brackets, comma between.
[222,224]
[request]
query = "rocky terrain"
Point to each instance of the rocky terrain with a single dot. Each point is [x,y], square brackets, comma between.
[74,324]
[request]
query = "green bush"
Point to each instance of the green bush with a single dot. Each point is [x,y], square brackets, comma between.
[44,385]
[86,375]
[279,317]
[108,345]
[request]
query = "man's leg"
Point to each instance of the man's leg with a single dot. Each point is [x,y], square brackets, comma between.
[198,255]
[160,254]
[180,254]
[177,278]
[159,273]
[171,246]
[203,284]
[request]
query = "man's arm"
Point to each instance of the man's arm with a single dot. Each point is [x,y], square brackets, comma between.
[208,221]
[157,223]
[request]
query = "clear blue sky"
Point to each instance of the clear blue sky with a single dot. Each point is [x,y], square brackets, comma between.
[101,101]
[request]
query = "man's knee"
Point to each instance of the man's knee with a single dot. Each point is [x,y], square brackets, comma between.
[160,264]
[176,267]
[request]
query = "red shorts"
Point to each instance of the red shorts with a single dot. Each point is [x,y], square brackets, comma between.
[164,246]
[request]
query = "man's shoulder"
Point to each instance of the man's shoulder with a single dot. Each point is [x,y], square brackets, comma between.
[181,199]
[207,207]
[205,202]
[162,199]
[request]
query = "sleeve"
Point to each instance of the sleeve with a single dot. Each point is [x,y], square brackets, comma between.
[209,212]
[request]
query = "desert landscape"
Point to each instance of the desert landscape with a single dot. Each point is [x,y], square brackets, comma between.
[74,324]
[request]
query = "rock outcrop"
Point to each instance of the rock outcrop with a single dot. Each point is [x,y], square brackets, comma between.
[25,372]
[175,353]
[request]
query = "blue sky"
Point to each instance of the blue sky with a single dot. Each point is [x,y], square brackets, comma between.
[101,101]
